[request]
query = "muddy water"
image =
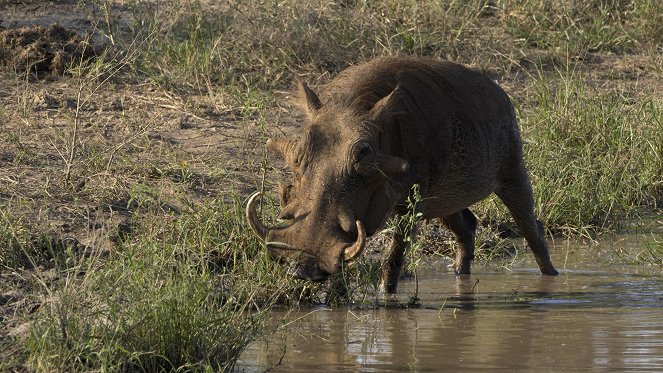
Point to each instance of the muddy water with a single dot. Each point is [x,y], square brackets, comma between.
[600,314]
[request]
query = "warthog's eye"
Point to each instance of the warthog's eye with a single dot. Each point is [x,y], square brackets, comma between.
[364,152]
[364,161]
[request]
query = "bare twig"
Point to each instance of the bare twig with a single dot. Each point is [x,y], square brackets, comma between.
[81,101]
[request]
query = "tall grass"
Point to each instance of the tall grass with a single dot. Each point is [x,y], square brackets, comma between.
[575,26]
[141,314]
[263,44]
[594,154]
[184,293]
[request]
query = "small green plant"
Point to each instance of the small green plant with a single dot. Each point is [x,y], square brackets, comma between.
[354,284]
[13,238]
[356,281]
[409,222]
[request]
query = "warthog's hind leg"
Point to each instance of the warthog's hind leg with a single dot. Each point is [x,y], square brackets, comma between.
[516,193]
[464,225]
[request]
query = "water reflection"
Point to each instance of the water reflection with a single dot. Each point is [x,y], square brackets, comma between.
[585,319]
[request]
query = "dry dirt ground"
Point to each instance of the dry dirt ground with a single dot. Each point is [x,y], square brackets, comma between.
[125,132]
[77,155]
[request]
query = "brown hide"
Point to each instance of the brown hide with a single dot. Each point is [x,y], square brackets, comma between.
[375,131]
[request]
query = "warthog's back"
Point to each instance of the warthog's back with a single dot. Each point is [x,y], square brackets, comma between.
[448,84]
[377,130]
[455,126]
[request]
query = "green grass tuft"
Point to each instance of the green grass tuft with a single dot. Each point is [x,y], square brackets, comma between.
[183,292]
[594,155]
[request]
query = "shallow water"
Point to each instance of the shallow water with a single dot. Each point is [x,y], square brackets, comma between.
[600,314]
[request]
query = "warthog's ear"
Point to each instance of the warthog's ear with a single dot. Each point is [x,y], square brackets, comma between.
[387,108]
[286,148]
[383,114]
[310,99]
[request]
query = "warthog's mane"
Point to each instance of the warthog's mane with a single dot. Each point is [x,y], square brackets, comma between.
[419,83]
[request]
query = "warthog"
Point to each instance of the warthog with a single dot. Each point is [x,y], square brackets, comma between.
[375,131]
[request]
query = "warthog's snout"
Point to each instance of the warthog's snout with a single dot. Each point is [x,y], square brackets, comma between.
[310,273]
[285,243]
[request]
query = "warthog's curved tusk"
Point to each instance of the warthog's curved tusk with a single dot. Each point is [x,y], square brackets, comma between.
[252,217]
[279,245]
[353,251]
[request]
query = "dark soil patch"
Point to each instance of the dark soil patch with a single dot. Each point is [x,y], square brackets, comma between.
[43,50]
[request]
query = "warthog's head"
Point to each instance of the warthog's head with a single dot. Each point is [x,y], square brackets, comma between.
[342,187]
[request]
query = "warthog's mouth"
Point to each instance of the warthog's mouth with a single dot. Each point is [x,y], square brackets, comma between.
[349,253]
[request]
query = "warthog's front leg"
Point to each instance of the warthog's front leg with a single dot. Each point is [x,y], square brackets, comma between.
[392,260]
